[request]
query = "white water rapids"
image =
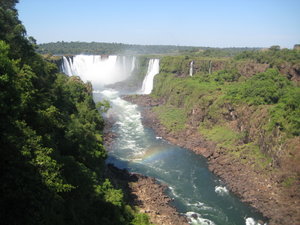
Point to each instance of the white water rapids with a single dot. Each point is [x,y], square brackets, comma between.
[198,194]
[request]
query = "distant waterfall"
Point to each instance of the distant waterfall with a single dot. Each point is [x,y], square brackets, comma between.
[133,64]
[100,70]
[191,68]
[153,69]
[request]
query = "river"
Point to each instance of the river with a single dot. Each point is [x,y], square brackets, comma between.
[197,193]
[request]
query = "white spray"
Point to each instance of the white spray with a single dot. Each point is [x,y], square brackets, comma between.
[153,69]
[133,64]
[97,69]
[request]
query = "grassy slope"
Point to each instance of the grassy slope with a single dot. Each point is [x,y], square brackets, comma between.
[249,126]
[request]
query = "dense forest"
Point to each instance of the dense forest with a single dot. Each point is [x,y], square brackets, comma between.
[51,149]
[98,48]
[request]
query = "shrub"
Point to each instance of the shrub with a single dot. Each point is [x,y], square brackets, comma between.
[263,88]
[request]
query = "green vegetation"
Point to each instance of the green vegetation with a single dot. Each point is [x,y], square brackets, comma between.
[289,181]
[221,52]
[273,56]
[99,48]
[251,152]
[51,151]
[285,114]
[141,219]
[272,88]
[172,118]
[249,105]
[263,88]
[221,134]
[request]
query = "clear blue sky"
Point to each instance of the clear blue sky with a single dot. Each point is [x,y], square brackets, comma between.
[214,23]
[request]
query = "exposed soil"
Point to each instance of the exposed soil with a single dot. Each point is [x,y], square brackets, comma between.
[260,190]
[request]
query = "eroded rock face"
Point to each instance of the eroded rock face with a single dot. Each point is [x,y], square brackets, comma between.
[291,71]
[262,190]
[250,68]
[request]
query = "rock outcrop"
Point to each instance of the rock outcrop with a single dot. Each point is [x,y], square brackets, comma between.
[148,195]
[260,189]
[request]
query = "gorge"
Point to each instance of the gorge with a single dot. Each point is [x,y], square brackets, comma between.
[196,192]
[145,134]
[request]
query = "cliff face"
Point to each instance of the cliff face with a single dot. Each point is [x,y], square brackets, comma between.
[249,139]
[181,65]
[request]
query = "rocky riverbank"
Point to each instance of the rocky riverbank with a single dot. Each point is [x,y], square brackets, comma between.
[261,190]
[147,194]
[142,191]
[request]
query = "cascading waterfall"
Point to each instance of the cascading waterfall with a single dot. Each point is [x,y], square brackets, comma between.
[66,66]
[197,193]
[100,70]
[191,68]
[133,63]
[124,63]
[153,69]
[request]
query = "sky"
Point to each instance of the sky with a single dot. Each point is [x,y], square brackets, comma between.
[209,23]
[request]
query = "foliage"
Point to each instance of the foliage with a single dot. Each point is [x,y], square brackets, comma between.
[63,48]
[273,56]
[180,64]
[107,48]
[274,89]
[225,76]
[141,219]
[222,52]
[251,152]
[103,106]
[171,117]
[264,106]
[286,113]
[289,181]
[220,134]
[51,150]
[263,88]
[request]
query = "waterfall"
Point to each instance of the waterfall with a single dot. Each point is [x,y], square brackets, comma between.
[100,70]
[191,68]
[153,69]
[124,63]
[133,63]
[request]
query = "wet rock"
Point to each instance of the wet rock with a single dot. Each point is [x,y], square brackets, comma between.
[254,187]
[146,193]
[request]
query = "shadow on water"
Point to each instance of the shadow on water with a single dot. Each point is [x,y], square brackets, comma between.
[121,164]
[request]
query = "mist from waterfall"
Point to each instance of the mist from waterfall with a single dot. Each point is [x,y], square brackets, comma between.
[196,192]
[99,70]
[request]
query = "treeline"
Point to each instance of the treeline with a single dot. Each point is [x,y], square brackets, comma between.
[221,52]
[98,48]
[51,150]
[273,56]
